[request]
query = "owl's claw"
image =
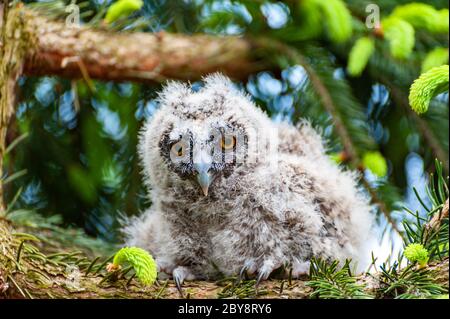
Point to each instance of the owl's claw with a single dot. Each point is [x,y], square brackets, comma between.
[258,281]
[247,269]
[241,275]
[263,268]
[179,274]
[267,268]
[262,275]
[178,283]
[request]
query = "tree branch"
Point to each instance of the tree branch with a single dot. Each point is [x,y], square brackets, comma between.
[401,99]
[28,272]
[436,221]
[12,53]
[145,57]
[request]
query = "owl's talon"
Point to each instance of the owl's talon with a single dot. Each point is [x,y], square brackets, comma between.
[258,280]
[263,275]
[179,274]
[267,268]
[178,283]
[241,275]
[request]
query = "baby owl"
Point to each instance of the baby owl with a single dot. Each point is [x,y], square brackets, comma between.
[233,193]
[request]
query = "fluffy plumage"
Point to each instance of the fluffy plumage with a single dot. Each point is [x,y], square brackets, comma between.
[277,202]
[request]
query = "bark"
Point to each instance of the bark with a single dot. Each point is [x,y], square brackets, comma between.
[14,36]
[11,57]
[75,52]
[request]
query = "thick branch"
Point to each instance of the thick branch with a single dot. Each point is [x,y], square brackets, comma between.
[70,52]
[11,57]
[15,37]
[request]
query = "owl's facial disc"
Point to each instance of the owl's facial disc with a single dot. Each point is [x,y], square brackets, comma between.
[202,155]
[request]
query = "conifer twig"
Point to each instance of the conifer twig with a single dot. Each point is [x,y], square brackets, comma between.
[382,206]
[401,99]
[436,221]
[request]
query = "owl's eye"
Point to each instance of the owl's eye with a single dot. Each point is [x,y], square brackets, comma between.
[227,142]
[177,149]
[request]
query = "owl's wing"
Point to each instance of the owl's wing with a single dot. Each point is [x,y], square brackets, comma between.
[302,140]
[333,194]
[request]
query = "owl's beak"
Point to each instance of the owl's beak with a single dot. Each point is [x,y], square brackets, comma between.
[203,177]
[204,180]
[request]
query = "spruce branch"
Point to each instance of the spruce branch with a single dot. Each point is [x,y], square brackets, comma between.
[437,219]
[427,86]
[330,282]
[434,58]
[408,283]
[431,230]
[360,55]
[401,99]
[297,58]
[400,35]
[382,207]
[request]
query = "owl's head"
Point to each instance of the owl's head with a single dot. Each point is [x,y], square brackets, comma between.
[199,136]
